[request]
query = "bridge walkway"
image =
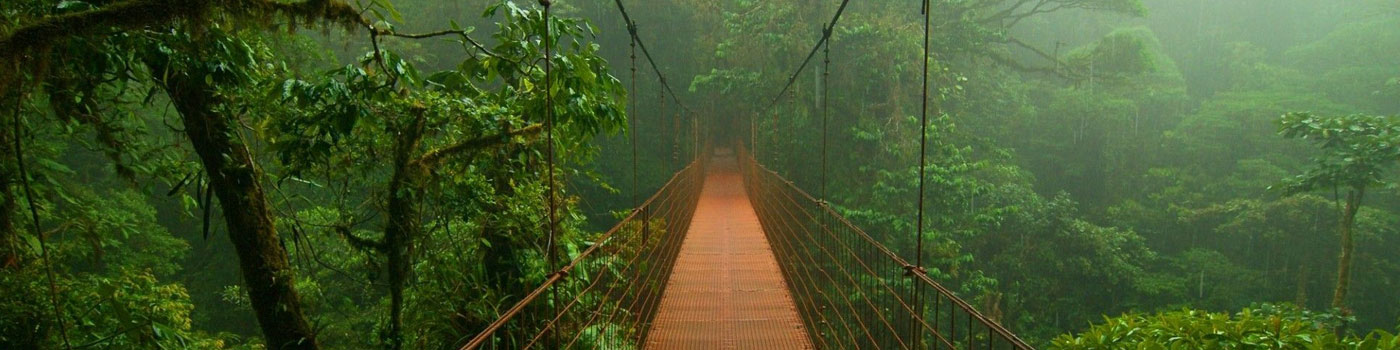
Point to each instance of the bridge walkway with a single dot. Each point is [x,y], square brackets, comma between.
[726,290]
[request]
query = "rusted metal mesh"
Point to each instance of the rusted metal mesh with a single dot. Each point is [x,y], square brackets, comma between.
[608,294]
[726,290]
[852,291]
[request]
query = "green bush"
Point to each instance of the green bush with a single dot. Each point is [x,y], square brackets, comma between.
[1263,327]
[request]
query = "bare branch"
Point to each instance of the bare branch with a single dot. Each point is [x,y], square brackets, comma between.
[460,33]
[1009,62]
[1035,50]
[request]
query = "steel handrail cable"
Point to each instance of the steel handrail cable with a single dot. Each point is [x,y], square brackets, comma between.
[753,187]
[902,303]
[847,274]
[658,199]
[900,300]
[922,275]
[560,314]
[555,277]
[626,17]
[645,232]
[660,273]
[650,272]
[805,266]
[607,295]
[595,280]
[786,226]
[810,299]
[666,268]
[832,281]
[630,265]
[826,35]
[776,234]
[655,273]
[818,245]
[860,262]
[558,275]
[666,232]
[627,292]
[919,275]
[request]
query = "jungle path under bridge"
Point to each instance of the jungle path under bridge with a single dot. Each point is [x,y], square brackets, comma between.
[726,289]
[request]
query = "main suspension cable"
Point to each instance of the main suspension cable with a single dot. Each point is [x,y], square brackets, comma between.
[826,35]
[626,17]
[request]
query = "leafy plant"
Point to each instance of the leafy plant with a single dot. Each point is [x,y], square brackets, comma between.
[1262,327]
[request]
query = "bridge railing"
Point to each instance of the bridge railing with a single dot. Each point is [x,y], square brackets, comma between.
[852,291]
[607,296]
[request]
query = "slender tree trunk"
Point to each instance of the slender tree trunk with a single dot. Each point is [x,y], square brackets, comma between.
[1348,245]
[10,247]
[235,178]
[1301,299]
[404,221]
[503,265]
[22,330]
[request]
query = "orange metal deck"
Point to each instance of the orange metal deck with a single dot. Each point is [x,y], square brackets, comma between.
[726,291]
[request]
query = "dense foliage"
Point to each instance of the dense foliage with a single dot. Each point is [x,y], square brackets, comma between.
[1091,157]
[1266,327]
[325,174]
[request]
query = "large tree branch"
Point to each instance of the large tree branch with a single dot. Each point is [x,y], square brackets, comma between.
[1008,11]
[332,11]
[135,14]
[432,158]
[1011,15]
[126,14]
[358,242]
[1009,62]
[1037,51]
[459,33]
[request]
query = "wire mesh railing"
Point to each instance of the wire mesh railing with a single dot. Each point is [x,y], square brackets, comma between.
[607,296]
[851,291]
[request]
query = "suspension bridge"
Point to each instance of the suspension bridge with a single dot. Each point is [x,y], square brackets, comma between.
[729,254]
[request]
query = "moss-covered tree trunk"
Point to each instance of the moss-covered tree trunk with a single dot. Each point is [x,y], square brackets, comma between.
[235,178]
[1348,245]
[404,221]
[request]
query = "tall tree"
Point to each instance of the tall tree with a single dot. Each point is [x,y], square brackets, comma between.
[188,57]
[1357,150]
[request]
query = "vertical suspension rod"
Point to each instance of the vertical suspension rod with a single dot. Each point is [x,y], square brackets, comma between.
[551,255]
[826,88]
[923,152]
[632,113]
